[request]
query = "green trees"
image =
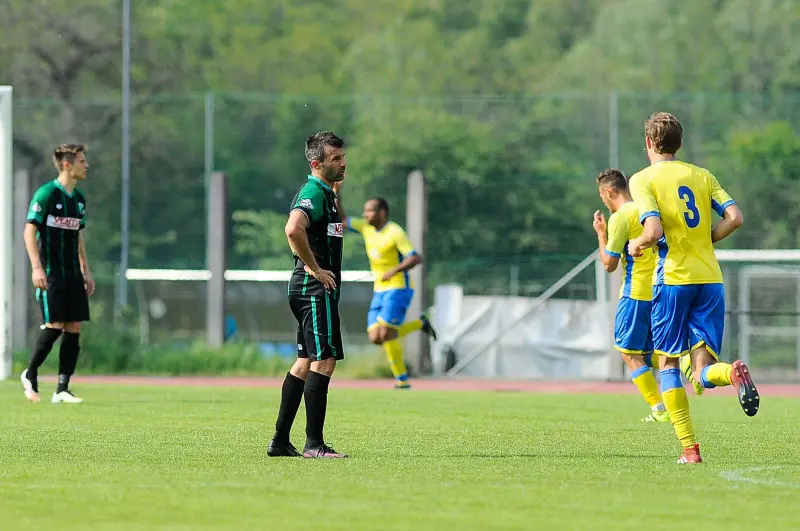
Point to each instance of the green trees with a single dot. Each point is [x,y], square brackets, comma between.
[504,105]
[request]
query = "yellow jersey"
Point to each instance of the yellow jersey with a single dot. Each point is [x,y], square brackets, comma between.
[386,248]
[637,282]
[683,196]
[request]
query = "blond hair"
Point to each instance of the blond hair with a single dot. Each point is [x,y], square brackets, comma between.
[665,132]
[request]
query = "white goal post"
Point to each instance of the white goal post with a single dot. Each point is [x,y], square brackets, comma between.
[6,230]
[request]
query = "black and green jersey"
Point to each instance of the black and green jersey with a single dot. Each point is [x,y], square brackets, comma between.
[325,234]
[59,216]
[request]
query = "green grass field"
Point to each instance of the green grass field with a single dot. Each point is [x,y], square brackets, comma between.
[195,458]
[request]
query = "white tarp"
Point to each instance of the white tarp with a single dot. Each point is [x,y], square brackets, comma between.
[562,340]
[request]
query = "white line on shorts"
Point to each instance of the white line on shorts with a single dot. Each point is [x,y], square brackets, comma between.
[743,476]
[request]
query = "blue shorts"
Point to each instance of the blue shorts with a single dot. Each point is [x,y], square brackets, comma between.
[389,307]
[686,317]
[632,327]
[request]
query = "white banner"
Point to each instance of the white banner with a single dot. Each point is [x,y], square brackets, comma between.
[562,340]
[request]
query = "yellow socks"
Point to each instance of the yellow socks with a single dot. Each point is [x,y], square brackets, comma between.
[644,380]
[677,403]
[408,327]
[394,353]
[716,375]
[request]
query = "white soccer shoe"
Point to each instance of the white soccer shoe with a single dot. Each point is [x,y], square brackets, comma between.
[27,385]
[66,397]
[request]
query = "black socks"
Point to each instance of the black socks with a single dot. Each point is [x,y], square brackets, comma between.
[67,359]
[291,396]
[41,350]
[316,397]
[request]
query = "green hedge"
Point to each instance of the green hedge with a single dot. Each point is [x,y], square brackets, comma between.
[105,350]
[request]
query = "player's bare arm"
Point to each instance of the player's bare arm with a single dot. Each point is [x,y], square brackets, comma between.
[39,277]
[408,262]
[732,219]
[610,263]
[87,272]
[298,241]
[652,232]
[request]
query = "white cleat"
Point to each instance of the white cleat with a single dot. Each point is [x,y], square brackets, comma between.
[66,397]
[27,385]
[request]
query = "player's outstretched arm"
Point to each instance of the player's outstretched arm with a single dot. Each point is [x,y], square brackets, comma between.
[732,219]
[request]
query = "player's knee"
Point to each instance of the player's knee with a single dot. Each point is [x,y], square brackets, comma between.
[632,362]
[701,357]
[58,326]
[300,368]
[326,366]
[72,328]
[390,334]
[665,362]
[375,337]
[385,334]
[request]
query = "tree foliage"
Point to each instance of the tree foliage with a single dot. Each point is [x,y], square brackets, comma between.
[504,105]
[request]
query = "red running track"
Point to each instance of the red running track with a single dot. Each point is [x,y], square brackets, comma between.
[423,384]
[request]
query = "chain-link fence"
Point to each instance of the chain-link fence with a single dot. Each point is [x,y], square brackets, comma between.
[511,179]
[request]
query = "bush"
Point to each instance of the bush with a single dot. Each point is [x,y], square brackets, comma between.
[106,350]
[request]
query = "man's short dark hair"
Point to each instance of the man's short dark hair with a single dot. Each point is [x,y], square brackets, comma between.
[383,204]
[613,178]
[315,145]
[67,153]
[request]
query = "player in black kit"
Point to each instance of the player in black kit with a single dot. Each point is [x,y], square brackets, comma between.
[61,275]
[315,235]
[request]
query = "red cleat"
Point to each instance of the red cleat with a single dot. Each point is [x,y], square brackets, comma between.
[745,388]
[690,455]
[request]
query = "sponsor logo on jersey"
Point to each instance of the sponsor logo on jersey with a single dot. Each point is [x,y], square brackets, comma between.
[336,230]
[59,222]
[306,203]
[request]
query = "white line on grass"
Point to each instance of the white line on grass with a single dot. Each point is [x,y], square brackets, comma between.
[193,484]
[743,476]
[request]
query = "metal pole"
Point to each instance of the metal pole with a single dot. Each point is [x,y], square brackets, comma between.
[209,148]
[22,276]
[513,281]
[613,129]
[417,345]
[126,147]
[216,258]
[6,231]
[612,282]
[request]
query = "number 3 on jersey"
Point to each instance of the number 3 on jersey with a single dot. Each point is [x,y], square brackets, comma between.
[692,215]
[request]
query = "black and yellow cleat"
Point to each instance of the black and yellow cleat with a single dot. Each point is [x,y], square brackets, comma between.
[427,327]
[745,388]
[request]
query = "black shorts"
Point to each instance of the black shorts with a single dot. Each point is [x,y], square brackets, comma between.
[64,301]
[319,334]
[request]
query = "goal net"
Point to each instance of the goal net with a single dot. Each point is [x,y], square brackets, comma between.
[762,292]
[6,231]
